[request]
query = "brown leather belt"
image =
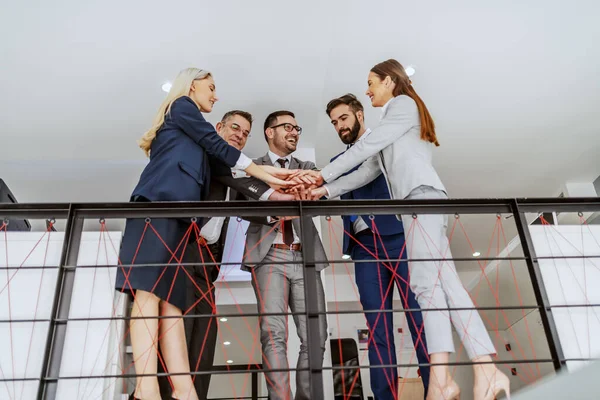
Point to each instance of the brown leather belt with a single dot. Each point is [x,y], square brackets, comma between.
[295,247]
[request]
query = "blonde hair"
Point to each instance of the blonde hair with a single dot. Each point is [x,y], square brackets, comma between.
[181,87]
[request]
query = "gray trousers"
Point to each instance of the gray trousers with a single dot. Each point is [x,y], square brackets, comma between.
[436,283]
[277,287]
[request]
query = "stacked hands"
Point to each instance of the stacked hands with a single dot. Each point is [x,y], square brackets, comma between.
[296,184]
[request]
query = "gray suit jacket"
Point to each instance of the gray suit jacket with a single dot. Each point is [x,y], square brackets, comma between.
[394,148]
[259,228]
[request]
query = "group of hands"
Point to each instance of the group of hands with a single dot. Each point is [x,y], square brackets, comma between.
[296,184]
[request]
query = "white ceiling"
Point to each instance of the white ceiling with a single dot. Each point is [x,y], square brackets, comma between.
[512,86]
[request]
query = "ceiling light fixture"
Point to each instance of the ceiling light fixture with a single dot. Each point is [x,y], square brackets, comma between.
[226,343]
[410,70]
[166,87]
[229,361]
[223,320]
[476,254]
[345,257]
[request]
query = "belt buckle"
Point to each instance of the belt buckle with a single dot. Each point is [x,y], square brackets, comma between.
[292,247]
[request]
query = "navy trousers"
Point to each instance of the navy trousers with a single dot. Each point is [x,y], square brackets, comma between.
[373,280]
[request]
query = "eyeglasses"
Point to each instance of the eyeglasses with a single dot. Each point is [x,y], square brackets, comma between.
[289,127]
[238,129]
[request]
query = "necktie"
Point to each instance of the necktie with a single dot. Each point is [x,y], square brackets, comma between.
[288,233]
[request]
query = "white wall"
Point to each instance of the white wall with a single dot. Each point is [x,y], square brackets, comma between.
[573,281]
[92,348]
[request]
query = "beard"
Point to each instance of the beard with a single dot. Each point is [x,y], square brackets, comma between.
[348,136]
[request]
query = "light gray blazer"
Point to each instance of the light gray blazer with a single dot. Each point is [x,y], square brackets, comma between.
[256,250]
[394,148]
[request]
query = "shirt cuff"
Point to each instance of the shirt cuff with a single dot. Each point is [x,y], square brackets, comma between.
[243,162]
[328,192]
[266,195]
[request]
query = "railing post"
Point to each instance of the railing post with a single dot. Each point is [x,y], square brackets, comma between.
[539,290]
[254,385]
[65,280]
[315,362]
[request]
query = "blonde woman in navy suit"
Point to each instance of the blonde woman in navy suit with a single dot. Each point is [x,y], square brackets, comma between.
[401,148]
[178,145]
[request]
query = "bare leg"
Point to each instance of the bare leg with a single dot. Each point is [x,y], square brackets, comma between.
[174,350]
[143,343]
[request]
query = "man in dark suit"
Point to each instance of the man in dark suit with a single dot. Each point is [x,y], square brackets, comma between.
[201,333]
[374,279]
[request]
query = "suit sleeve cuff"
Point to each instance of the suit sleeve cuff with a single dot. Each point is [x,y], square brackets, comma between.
[243,162]
[266,195]
[328,195]
[327,174]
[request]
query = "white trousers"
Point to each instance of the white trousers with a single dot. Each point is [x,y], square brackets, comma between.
[437,285]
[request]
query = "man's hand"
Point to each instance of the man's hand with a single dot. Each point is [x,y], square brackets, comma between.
[303,192]
[308,177]
[281,196]
[317,193]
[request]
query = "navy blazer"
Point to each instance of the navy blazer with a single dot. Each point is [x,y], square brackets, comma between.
[179,167]
[376,189]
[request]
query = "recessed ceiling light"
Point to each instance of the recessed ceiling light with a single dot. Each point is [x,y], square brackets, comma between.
[166,87]
[410,70]
[345,257]
[226,343]
[476,254]
[229,361]
[223,319]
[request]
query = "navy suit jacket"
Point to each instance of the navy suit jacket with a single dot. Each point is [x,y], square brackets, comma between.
[179,166]
[178,171]
[376,189]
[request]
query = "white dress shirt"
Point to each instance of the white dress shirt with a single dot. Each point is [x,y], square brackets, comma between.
[279,238]
[384,108]
[212,230]
[243,162]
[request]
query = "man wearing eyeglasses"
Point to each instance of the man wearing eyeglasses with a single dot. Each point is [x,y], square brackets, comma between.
[273,255]
[225,184]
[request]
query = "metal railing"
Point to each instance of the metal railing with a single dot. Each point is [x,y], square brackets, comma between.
[76,213]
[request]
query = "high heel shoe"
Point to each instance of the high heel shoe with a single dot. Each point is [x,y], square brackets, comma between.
[497,387]
[499,383]
[449,392]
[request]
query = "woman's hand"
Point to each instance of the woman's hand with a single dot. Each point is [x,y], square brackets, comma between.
[271,175]
[281,173]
